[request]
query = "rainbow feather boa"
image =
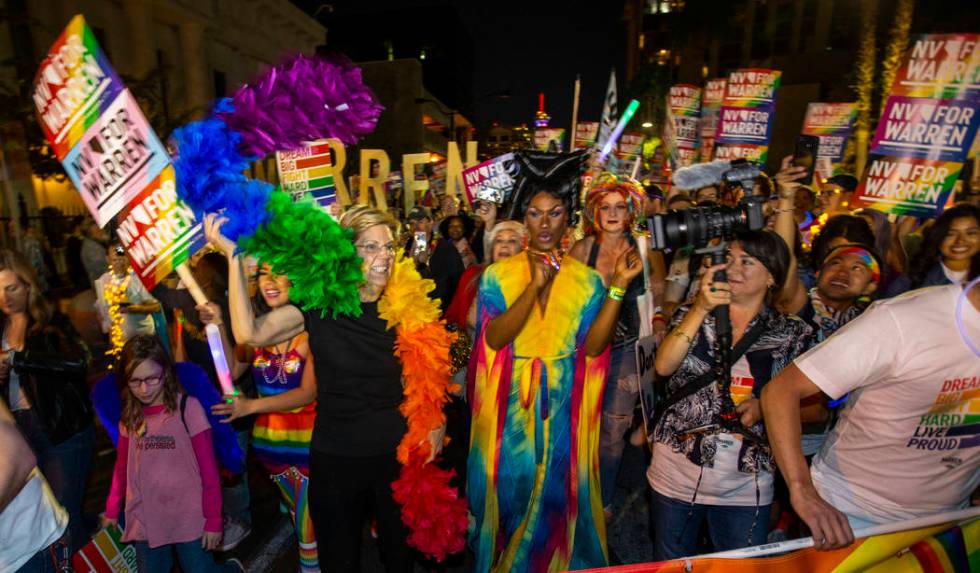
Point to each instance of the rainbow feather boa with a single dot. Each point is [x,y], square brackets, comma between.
[431,508]
[307,99]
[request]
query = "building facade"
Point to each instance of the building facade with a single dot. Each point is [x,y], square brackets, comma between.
[190,52]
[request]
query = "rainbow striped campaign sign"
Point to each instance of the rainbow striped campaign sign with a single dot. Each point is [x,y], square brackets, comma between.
[159,231]
[94,125]
[73,87]
[747,114]
[682,129]
[308,170]
[927,128]
[106,553]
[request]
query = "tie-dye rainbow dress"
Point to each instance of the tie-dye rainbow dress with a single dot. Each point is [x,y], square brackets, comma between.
[533,469]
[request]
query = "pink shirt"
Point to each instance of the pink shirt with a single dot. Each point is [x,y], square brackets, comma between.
[168,478]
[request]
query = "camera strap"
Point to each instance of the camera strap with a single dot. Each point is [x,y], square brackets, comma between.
[702,381]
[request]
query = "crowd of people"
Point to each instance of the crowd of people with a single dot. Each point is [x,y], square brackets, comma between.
[845,402]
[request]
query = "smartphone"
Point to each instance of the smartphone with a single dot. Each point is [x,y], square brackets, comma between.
[805,155]
[420,244]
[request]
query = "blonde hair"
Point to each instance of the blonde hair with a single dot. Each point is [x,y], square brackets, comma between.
[360,218]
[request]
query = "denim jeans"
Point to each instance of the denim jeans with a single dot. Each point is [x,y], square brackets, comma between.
[193,559]
[49,559]
[676,525]
[618,401]
[65,467]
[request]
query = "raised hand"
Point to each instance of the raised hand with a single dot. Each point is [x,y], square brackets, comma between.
[212,231]
[787,179]
[628,266]
[713,293]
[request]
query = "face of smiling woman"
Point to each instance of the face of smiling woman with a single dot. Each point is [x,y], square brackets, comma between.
[376,247]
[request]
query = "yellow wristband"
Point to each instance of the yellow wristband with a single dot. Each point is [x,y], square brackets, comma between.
[616,293]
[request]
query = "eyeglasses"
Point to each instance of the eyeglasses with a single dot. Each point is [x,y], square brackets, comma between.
[150,382]
[372,249]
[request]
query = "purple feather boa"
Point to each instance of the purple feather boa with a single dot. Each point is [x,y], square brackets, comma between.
[303,99]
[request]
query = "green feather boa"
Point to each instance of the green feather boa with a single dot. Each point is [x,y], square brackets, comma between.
[304,243]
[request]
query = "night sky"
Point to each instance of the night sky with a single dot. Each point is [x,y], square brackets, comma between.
[530,47]
[524,47]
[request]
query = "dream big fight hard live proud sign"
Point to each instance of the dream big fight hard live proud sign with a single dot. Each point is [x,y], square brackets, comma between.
[112,155]
[927,127]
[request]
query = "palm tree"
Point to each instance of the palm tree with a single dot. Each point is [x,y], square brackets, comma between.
[865,76]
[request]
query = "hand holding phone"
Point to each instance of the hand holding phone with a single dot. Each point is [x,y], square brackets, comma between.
[805,155]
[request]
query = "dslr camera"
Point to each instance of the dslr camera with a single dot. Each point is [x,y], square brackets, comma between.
[698,226]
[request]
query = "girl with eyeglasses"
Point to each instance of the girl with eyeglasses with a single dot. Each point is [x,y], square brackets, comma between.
[166,473]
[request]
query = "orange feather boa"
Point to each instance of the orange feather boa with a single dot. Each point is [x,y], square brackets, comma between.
[432,510]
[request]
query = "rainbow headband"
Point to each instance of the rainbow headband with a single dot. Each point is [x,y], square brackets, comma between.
[865,255]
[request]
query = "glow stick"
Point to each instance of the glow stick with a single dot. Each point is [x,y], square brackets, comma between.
[220,362]
[618,130]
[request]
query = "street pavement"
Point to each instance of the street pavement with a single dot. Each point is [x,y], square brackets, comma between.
[271,545]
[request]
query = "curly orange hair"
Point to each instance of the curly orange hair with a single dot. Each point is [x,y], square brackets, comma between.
[631,191]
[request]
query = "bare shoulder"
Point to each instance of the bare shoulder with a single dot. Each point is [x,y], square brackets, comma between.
[580,250]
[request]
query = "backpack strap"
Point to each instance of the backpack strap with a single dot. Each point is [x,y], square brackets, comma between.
[183,408]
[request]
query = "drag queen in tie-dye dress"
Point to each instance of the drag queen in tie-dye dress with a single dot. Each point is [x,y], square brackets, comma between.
[533,471]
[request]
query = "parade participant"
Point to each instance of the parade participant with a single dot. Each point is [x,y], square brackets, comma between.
[486,218]
[702,472]
[32,523]
[166,473]
[43,370]
[846,272]
[128,295]
[902,447]
[210,271]
[947,248]
[611,208]
[359,390]
[544,324]
[835,194]
[92,252]
[506,239]
[458,229]
[285,409]
[437,259]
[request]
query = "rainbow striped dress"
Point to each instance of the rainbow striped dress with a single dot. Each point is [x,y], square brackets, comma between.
[281,439]
[533,468]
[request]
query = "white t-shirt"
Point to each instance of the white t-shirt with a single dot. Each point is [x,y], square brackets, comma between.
[908,440]
[31,521]
[955,277]
[672,475]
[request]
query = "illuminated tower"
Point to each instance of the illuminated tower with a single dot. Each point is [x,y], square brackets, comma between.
[541,117]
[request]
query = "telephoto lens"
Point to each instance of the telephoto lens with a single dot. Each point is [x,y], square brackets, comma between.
[697,226]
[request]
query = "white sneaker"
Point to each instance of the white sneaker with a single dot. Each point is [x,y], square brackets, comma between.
[237,563]
[235,533]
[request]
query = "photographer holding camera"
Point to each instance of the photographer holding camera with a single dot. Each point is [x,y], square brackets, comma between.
[711,461]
